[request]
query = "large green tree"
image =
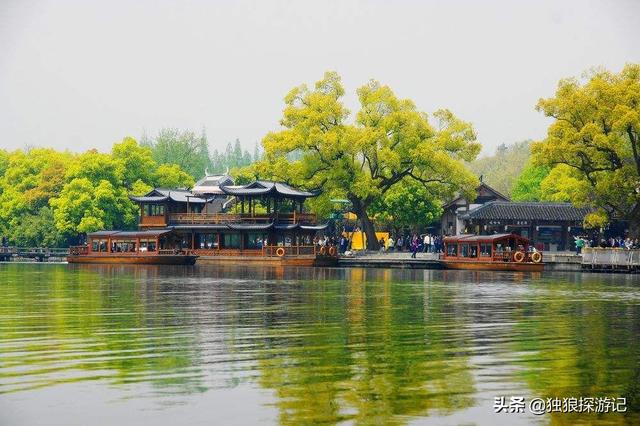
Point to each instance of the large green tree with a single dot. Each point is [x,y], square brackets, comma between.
[185,148]
[527,185]
[390,141]
[596,135]
[137,161]
[48,197]
[233,157]
[409,204]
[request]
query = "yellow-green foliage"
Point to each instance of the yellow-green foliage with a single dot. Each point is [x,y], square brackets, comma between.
[47,197]
[389,141]
[596,138]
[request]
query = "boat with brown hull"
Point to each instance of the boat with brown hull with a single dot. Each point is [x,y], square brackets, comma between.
[498,252]
[154,247]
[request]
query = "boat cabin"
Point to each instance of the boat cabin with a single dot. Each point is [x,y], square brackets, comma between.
[130,242]
[226,219]
[497,247]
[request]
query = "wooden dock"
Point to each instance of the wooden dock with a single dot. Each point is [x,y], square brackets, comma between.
[610,260]
[39,254]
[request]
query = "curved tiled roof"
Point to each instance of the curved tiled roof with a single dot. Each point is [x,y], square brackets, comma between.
[264,187]
[157,195]
[211,184]
[505,210]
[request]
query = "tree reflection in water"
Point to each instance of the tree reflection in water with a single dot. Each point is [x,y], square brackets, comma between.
[361,345]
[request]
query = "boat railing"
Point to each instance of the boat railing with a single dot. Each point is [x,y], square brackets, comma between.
[224,218]
[295,250]
[509,256]
[78,250]
[266,251]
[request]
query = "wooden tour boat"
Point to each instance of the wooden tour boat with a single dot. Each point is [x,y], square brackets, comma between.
[217,222]
[154,247]
[499,252]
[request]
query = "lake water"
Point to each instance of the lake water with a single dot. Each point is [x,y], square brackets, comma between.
[90,345]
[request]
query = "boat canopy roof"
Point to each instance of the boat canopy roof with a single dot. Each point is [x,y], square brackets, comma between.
[264,187]
[152,233]
[160,195]
[470,238]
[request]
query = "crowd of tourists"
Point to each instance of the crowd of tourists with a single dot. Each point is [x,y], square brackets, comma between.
[426,243]
[611,242]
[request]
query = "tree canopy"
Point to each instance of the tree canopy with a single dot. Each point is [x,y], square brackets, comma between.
[184,148]
[233,157]
[527,185]
[595,137]
[409,204]
[47,197]
[501,169]
[390,141]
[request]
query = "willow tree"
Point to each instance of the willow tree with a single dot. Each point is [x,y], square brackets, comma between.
[595,137]
[388,142]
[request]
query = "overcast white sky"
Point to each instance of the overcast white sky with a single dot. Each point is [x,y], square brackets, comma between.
[84,74]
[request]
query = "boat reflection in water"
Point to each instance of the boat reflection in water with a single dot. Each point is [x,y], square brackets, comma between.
[243,345]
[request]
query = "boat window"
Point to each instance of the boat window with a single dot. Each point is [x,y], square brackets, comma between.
[485,249]
[123,246]
[186,241]
[255,241]
[464,250]
[154,210]
[473,250]
[207,241]
[147,245]
[285,240]
[98,245]
[231,241]
[452,249]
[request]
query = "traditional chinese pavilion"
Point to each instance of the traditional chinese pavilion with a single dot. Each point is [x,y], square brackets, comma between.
[217,219]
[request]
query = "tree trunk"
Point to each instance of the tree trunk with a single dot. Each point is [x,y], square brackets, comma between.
[634,222]
[360,209]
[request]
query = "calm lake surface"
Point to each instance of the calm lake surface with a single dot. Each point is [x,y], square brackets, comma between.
[90,344]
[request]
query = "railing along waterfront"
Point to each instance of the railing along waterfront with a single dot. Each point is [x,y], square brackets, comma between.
[223,218]
[39,253]
[610,259]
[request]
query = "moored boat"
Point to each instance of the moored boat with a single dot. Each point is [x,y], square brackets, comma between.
[498,252]
[152,247]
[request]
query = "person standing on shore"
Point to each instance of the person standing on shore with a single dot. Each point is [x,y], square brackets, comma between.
[390,243]
[579,245]
[414,247]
